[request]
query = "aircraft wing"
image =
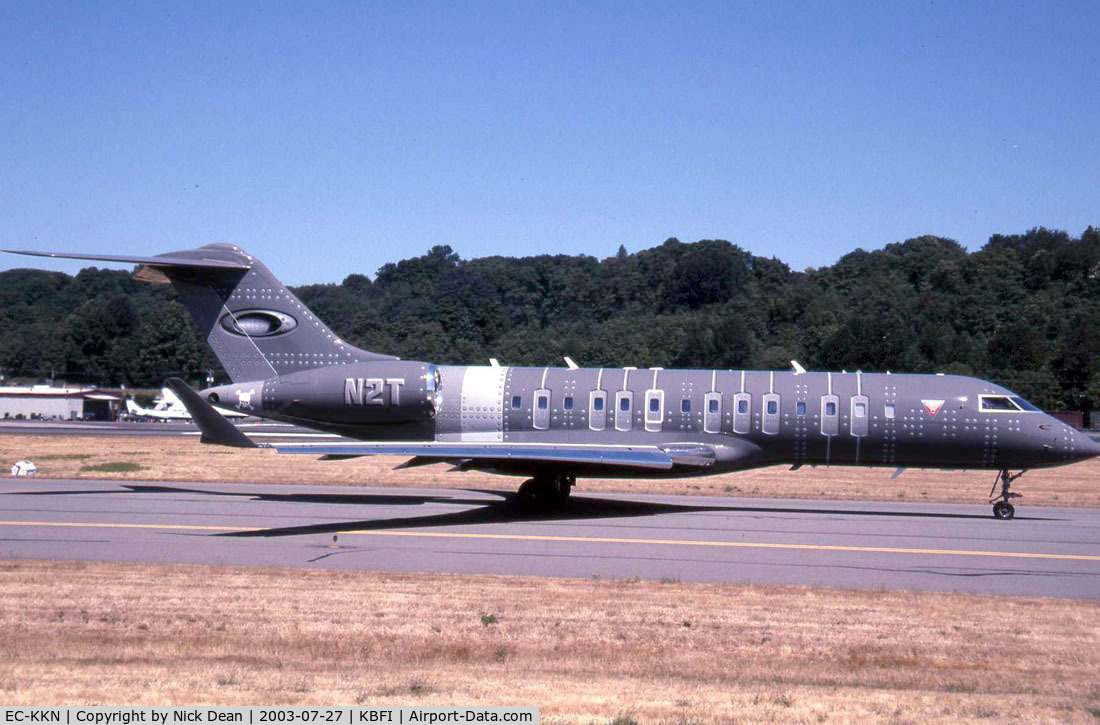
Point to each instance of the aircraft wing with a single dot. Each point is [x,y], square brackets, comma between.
[214,426]
[649,457]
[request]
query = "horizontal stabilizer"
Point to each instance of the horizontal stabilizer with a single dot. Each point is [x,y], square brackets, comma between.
[155,261]
[214,426]
[649,457]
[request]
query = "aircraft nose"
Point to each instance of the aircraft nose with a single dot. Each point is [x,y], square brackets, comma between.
[1062,444]
[1080,447]
[1088,446]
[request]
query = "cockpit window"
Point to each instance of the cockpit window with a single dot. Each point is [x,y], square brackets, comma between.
[997,404]
[1024,404]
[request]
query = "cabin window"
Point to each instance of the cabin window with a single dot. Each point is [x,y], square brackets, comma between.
[742,405]
[889,411]
[800,408]
[685,405]
[568,403]
[597,401]
[770,424]
[830,421]
[712,415]
[655,409]
[1024,404]
[517,401]
[859,426]
[624,419]
[544,402]
[996,404]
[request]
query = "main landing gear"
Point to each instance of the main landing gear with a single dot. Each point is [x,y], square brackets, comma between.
[546,491]
[1002,509]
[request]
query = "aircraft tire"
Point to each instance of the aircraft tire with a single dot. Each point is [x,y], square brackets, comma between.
[1003,510]
[542,493]
[557,491]
[531,494]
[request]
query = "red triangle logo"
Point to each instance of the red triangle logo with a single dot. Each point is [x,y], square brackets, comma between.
[932,406]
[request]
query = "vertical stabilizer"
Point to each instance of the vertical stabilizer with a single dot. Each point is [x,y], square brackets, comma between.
[255,326]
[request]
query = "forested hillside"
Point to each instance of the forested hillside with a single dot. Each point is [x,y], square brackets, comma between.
[1022,311]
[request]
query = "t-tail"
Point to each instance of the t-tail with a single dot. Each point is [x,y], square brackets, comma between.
[257,328]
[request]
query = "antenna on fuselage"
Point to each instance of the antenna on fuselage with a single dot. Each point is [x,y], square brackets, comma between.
[798,369]
[569,363]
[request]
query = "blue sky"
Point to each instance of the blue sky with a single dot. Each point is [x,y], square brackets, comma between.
[329,138]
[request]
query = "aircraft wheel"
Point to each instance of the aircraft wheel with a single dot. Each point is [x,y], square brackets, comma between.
[541,493]
[1003,510]
[531,494]
[558,490]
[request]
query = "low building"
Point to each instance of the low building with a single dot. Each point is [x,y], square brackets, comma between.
[1073,418]
[50,403]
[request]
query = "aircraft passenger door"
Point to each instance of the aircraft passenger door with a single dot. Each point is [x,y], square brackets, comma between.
[541,415]
[624,410]
[771,413]
[742,413]
[712,412]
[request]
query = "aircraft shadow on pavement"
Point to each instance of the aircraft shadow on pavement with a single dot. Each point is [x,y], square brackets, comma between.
[503,508]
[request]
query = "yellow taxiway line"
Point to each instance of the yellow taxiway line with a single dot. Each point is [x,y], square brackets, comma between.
[586,540]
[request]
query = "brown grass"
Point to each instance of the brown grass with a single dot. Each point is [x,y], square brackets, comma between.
[176,459]
[583,650]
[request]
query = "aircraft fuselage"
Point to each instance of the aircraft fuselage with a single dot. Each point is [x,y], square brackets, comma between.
[749,418]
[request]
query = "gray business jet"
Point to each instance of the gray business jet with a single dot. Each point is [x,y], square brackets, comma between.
[555,424]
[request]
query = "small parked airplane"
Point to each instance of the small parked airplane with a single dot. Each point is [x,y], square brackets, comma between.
[168,407]
[553,424]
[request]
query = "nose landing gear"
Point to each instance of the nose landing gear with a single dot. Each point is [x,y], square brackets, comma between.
[547,491]
[1002,509]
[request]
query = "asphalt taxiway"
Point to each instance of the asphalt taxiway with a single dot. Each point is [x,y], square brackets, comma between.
[1051,552]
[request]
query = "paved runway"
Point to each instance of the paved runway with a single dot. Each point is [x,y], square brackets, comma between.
[261,430]
[1043,552]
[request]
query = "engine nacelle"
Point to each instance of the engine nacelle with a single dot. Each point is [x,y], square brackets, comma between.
[383,392]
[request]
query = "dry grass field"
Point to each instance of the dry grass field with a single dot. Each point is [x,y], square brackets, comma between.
[585,651]
[175,459]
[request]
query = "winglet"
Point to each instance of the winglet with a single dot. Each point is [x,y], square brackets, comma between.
[214,426]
